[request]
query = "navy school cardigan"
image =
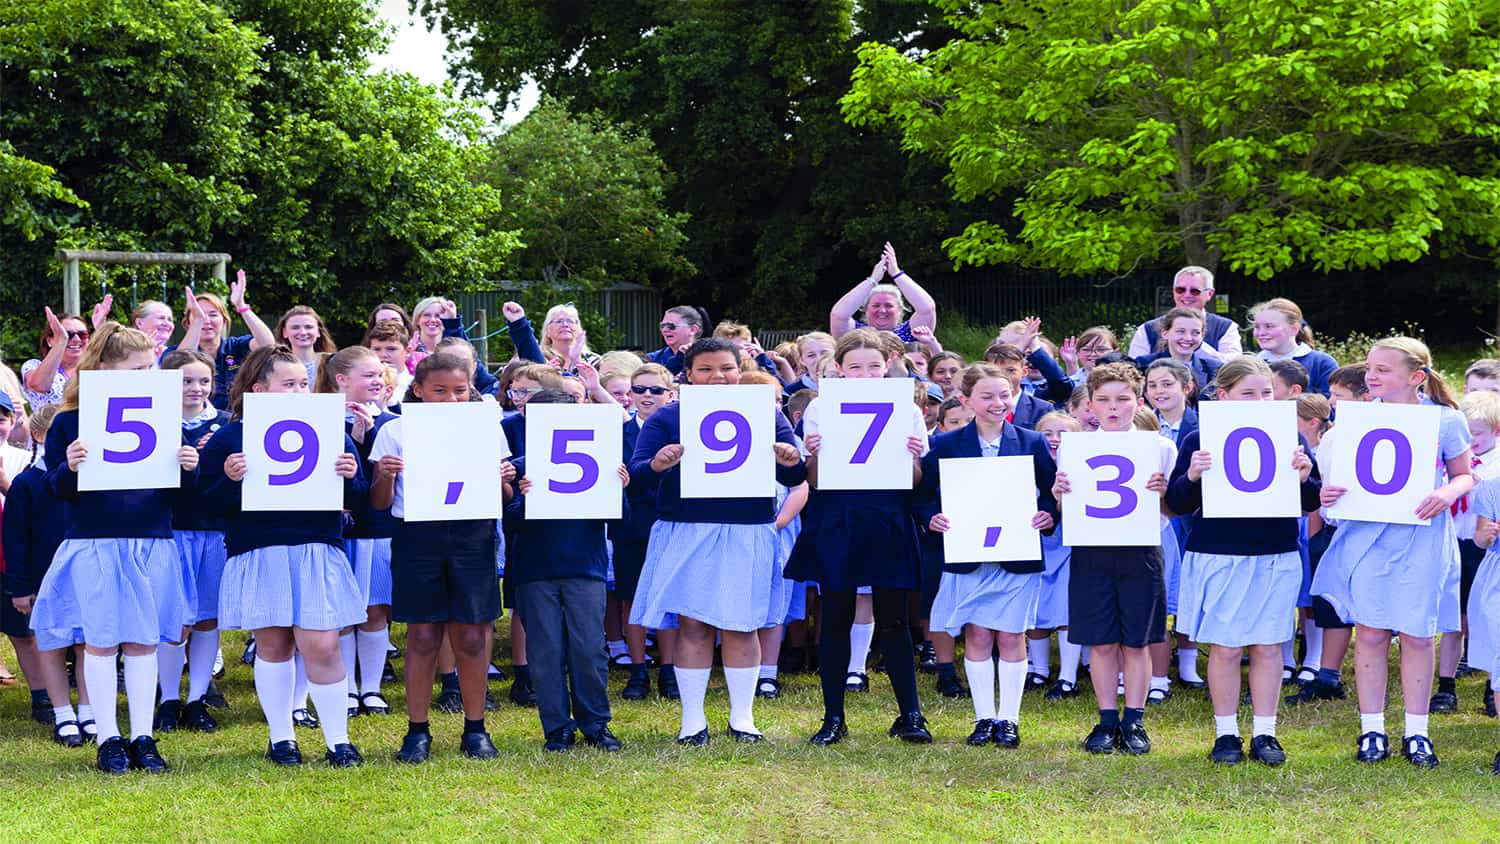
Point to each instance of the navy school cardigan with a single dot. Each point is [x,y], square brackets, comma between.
[1238,537]
[129,513]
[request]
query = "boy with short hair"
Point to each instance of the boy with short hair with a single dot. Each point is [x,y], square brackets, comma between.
[1347,383]
[1288,379]
[1483,374]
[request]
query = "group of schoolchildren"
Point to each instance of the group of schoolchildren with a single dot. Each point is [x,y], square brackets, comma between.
[138,583]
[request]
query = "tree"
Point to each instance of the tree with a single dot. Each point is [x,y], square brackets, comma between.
[1262,135]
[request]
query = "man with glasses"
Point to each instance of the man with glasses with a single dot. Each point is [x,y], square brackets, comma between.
[1193,288]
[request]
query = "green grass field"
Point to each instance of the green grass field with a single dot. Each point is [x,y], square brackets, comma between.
[870,788]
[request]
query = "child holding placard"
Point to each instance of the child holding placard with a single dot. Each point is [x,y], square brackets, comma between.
[1482,410]
[199,534]
[1395,577]
[287,578]
[863,538]
[707,555]
[1052,607]
[1240,579]
[117,577]
[992,604]
[443,576]
[1117,601]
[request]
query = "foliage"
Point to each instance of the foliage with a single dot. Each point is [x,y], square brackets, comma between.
[1258,134]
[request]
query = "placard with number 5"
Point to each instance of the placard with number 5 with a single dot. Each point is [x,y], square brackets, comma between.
[452,452]
[291,443]
[727,433]
[989,502]
[864,423]
[1386,456]
[131,421]
[1108,503]
[573,456]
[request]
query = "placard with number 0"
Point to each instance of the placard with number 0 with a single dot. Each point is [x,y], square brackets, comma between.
[1386,456]
[727,434]
[291,443]
[452,453]
[132,423]
[1253,443]
[989,502]
[573,461]
[1108,503]
[864,423]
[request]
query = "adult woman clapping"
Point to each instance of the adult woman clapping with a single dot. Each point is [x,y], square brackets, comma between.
[208,321]
[884,305]
[57,354]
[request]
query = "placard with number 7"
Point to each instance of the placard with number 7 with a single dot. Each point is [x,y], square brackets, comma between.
[727,433]
[864,423]
[573,457]
[131,421]
[1108,503]
[291,443]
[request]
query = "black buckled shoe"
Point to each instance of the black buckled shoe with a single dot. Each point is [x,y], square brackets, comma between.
[604,740]
[1132,739]
[768,688]
[491,703]
[521,694]
[215,698]
[1007,734]
[1372,747]
[373,703]
[1100,740]
[1228,750]
[73,738]
[856,681]
[305,719]
[698,739]
[1267,750]
[1443,702]
[666,683]
[344,755]
[911,727]
[415,748]
[833,731]
[1315,691]
[745,737]
[638,687]
[450,701]
[114,756]
[168,714]
[1418,750]
[478,746]
[285,753]
[145,757]
[1034,682]
[41,709]
[195,717]
[948,686]
[984,733]
[1061,690]
[926,658]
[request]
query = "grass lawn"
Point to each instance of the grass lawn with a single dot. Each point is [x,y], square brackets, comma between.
[869,788]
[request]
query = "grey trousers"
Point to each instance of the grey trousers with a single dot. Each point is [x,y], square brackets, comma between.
[564,622]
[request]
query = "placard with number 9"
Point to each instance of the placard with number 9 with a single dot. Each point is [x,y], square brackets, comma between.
[131,421]
[864,424]
[1386,456]
[1108,503]
[573,457]
[291,443]
[727,431]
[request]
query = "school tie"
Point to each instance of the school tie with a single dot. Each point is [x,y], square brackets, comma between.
[1462,504]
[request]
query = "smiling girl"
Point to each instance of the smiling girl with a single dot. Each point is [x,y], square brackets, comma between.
[1283,335]
[1182,341]
[302,330]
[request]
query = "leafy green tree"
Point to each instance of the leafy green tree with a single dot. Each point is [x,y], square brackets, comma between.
[1259,134]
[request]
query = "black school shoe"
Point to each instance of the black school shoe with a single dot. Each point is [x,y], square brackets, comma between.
[195,717]
[856,681]
[285,753]
[114,756]
[305,719]
[950,687]
[1100,740]
[926,658]
[1228,750]
[1443,702]
[666,683]
[1034,682]
[604,740]
[698,739]
[344,755]
[638,687]
[41,709]
[984,733]
[215,698]
[1418,750]
[521,694]
[768,688]
[1372,747]
[1267,751]
[911,727]
[1061,690]
[1007,734]
[73,739]
[1132,740]
[1317,690]
[833,731]
[168,714]
[478,746]
[415,748]
[451,701]
[145,757]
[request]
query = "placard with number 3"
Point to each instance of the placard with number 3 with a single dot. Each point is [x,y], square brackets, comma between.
[131,421]
[1108,503]
[291,443]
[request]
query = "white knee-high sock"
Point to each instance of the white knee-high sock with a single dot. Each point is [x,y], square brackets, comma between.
[981,674]
[741,685]
[201,656]
[859,646]
[1012,682]
[140,692]
[371,648]
[104,690]
[1068,657]
[274,682]
[1039,656]
[347,651]
[1187,665]
[169,662]
[299,683]
[692,685]
[1313,634]
[332,703]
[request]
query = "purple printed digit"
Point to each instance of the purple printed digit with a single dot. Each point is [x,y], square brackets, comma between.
[588,468]
[305,454]
[455,488]
[991,537]
[1232,470]
[116,423]
[1364,461]
[1124,471]
[738,441]
[881,412]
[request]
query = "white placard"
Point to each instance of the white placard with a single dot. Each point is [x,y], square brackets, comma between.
[727,434]
[1386,455]
[291,443]
[989,502]
[132,423]
[1253,444]
[573,461]
[864,423]
[1109,503]
[452,453]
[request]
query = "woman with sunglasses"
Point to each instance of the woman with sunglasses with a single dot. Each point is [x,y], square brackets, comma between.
[44,377]
[680,327]
[1193,288]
